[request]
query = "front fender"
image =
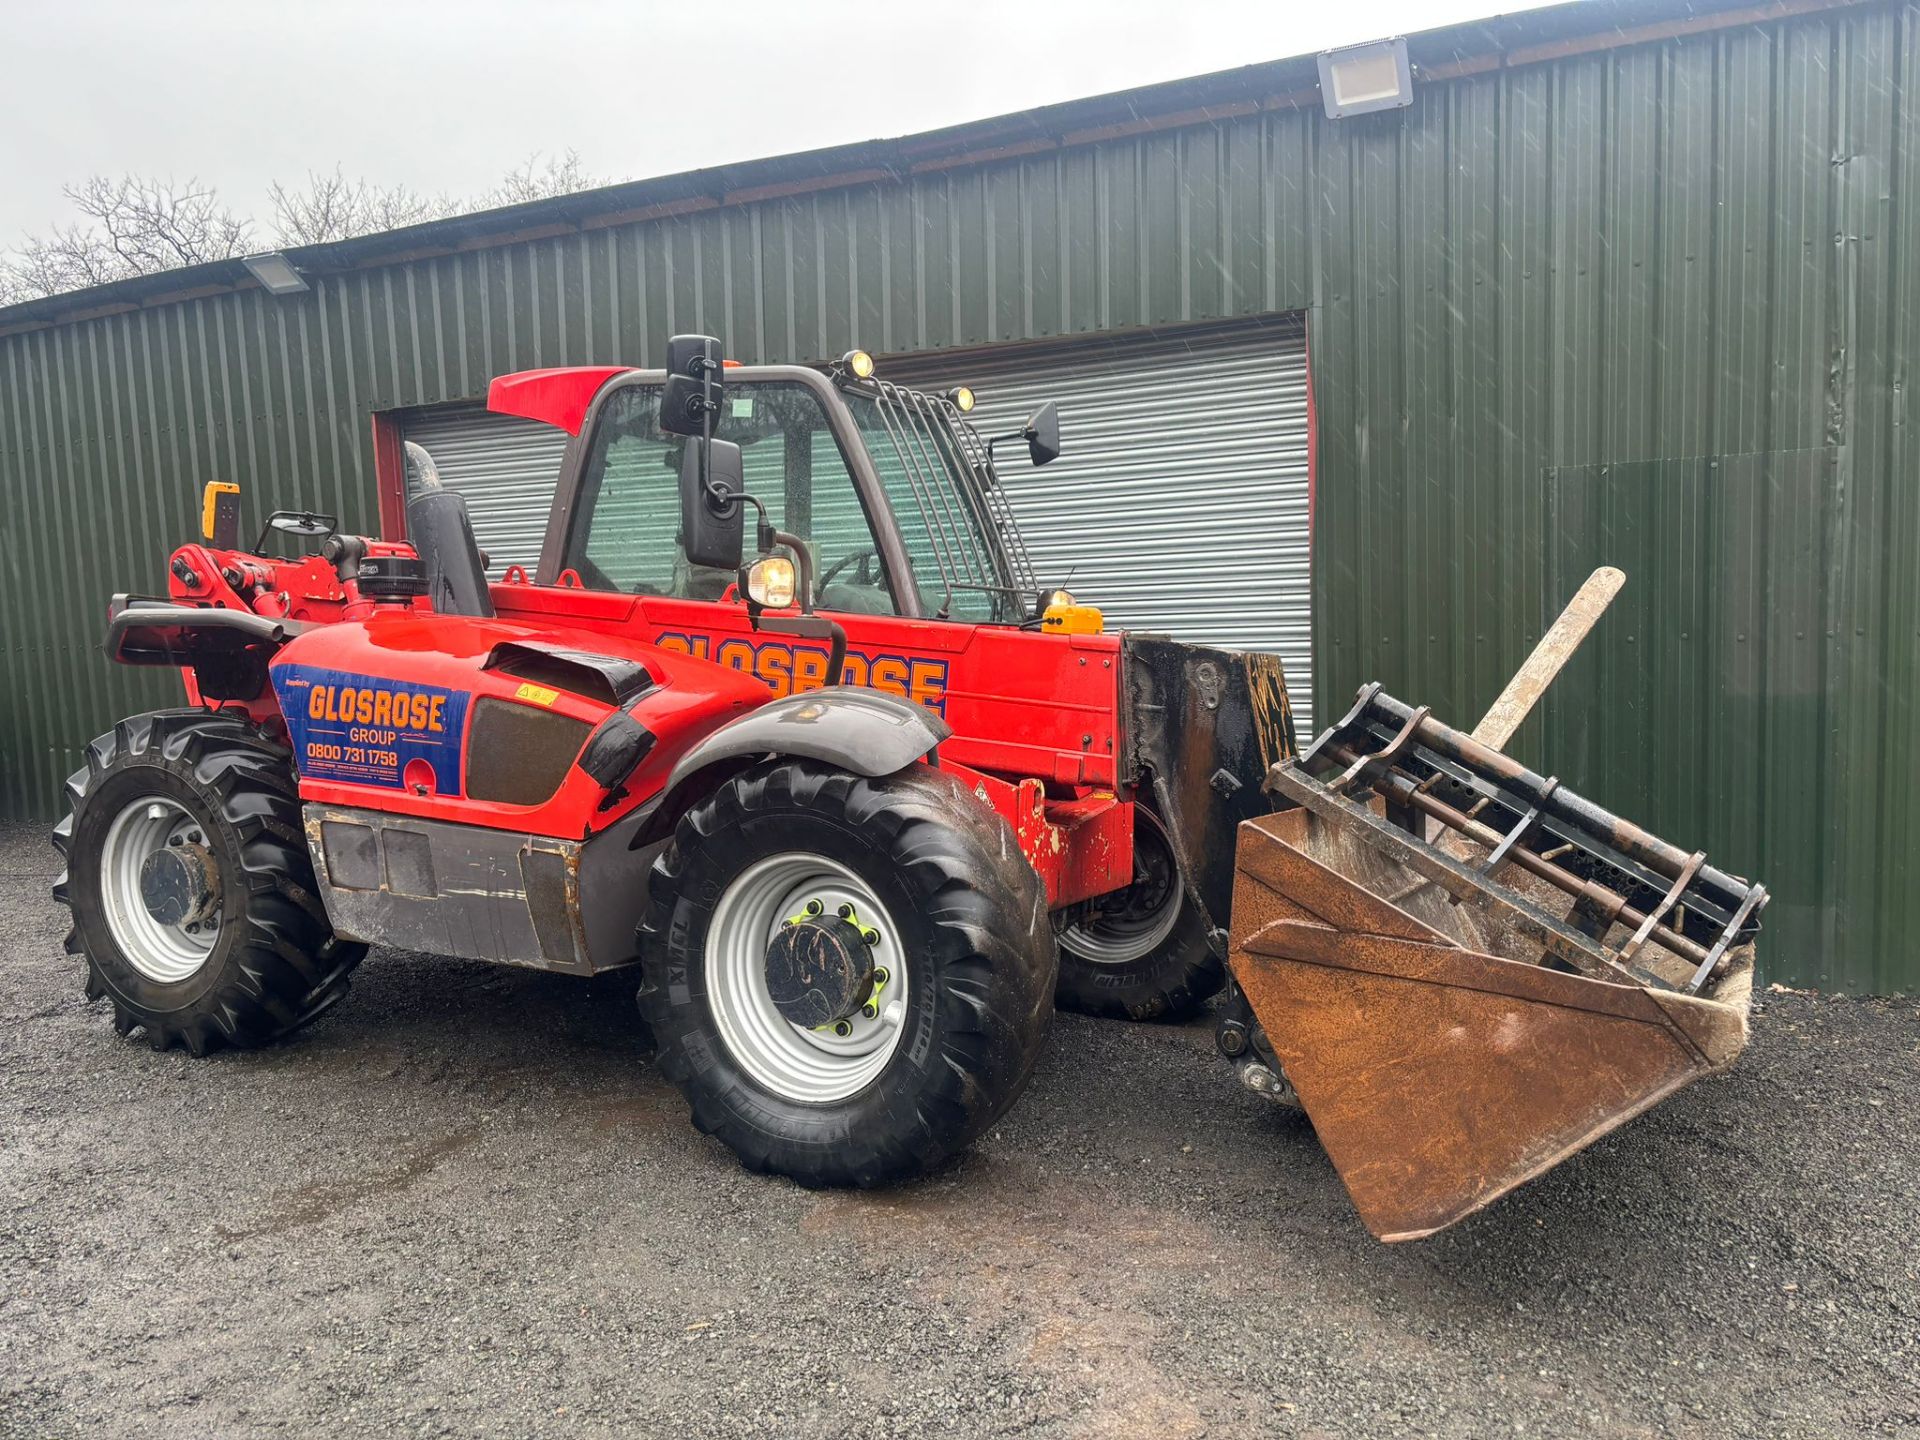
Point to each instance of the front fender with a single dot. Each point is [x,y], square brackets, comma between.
[865,731]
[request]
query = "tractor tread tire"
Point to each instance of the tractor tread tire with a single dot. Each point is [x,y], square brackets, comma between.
[277,965]
[1173,983]
[981,995]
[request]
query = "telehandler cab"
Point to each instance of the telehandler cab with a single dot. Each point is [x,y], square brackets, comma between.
[854,812]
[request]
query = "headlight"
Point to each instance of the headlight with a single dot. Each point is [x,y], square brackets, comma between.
[770,582]
[859,364]
[962,398]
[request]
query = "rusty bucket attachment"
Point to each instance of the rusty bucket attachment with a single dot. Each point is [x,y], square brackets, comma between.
[1466,971]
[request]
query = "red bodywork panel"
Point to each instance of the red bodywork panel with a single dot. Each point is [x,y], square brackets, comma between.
[558,396]
[351,750]
[1020,703]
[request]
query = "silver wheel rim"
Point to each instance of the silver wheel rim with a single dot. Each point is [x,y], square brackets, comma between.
[167,953]
[1121,942]
[816,1067]
[1106,943]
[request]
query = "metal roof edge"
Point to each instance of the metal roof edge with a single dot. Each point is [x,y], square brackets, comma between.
[1452,52]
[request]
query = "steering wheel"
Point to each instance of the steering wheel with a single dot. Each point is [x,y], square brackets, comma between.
[865,576]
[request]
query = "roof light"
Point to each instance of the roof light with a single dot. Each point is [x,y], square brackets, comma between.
[859,364]
[962,398]
[1358,79]
[275,273]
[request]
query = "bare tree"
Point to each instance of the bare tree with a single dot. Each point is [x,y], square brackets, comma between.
[13,290]
[332,207]
[137,226]
[131,226]
[534,179]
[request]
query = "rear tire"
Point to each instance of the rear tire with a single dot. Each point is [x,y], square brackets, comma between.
[258,959]
[1143,953]
[959,915]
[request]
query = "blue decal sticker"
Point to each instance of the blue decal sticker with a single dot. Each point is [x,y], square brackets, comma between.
[365,730]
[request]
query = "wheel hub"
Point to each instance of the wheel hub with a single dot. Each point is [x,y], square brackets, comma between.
[811,1011]
[160,888]
[179,885]
[819,970]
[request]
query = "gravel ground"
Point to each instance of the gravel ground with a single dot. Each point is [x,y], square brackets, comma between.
[464,1203]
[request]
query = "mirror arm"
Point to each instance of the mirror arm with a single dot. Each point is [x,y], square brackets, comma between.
[802,562]
[814,627]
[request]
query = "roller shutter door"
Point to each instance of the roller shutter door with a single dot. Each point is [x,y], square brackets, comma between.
[1179,501]
[505,466]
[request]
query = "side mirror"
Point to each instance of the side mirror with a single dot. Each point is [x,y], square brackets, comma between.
[301,524]
[1043,433]
[712,530]
[690,404]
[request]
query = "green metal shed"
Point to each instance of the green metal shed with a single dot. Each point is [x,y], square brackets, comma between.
[1627,282]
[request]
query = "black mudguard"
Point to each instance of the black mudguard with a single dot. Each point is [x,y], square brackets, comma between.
[867,732]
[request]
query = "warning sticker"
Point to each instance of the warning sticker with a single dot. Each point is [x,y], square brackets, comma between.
[363,730]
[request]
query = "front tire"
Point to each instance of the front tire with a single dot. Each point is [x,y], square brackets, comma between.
[940,1048]
[229,945]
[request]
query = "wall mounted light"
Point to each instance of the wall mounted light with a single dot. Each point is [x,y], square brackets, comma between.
[275,273]
[1358,79]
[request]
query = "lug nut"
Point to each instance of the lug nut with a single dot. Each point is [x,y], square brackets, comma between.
[843,1028]
[881,975]
[814,907]
[846,912]
[870,938]
[870,1010]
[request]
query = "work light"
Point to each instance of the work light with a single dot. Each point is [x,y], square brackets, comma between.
[1359,79]
[962,398]
[859,364]
[770,582]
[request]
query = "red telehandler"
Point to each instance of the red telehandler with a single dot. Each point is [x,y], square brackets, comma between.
[855,804]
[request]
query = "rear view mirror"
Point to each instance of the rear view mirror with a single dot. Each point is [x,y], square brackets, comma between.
[691,402]
[1043,434]
[301,524]
[712,529]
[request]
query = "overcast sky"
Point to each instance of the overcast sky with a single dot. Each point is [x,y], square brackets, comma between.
[447,97]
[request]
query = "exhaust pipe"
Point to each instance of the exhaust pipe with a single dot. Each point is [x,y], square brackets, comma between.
[442,534]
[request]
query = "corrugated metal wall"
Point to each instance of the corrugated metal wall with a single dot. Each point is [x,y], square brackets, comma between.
[1654,304]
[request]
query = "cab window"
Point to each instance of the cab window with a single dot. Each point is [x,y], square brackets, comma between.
[627,535]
